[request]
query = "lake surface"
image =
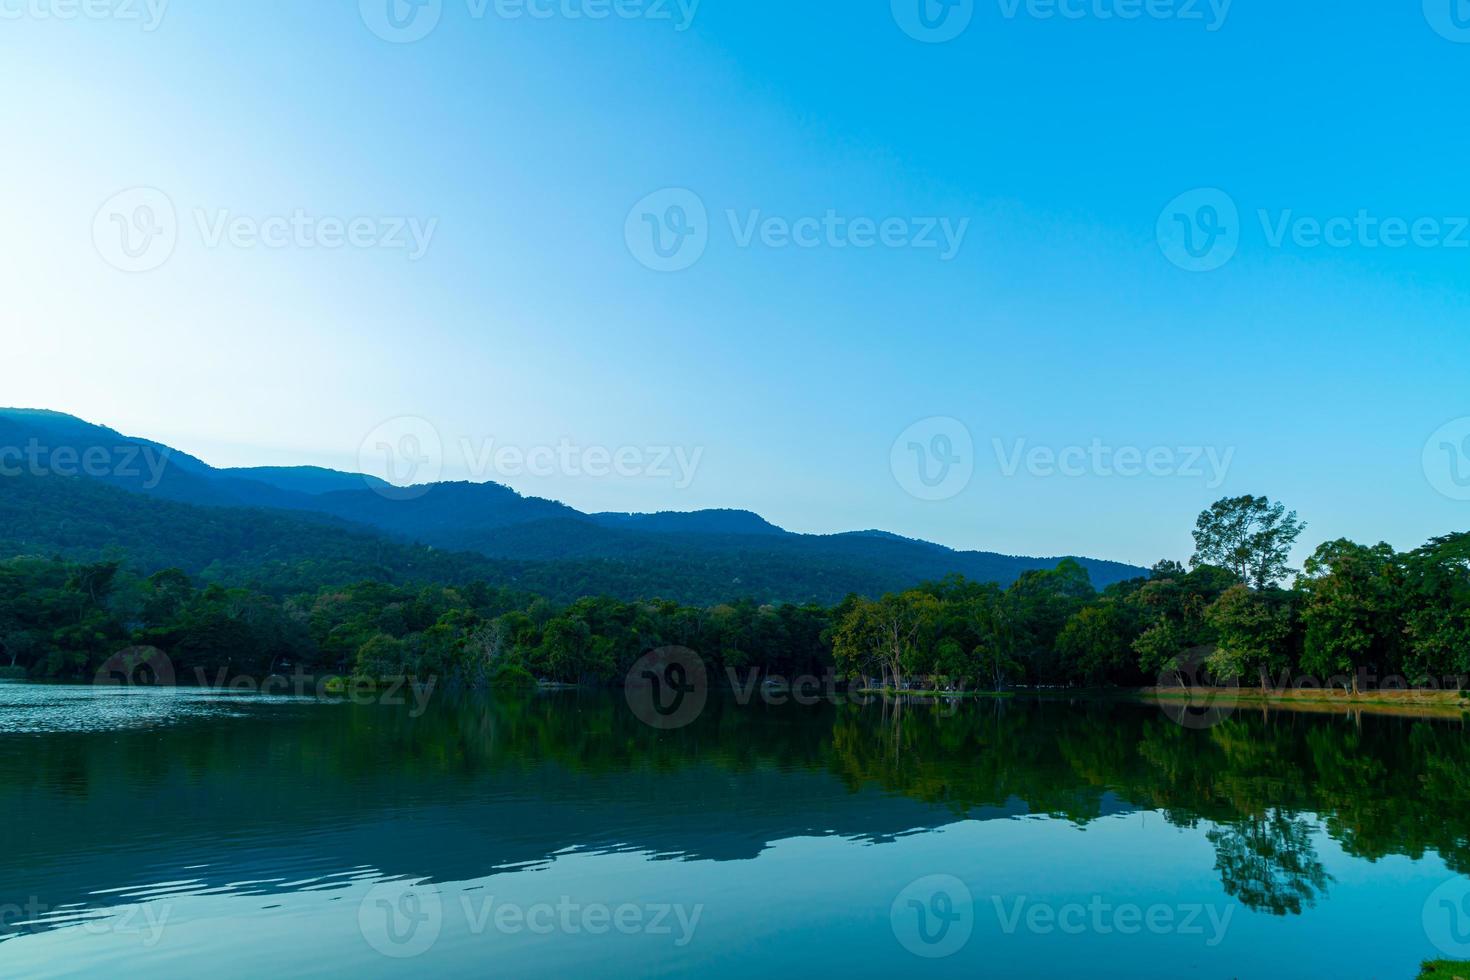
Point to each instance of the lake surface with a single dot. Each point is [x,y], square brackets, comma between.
[185,833]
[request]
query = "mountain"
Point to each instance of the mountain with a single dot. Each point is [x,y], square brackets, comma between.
[699,522]
[83,490]
[307,479]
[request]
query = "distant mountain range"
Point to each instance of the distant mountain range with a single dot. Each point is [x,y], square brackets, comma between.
[81,490]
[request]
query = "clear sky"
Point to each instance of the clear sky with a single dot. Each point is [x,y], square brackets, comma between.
[1062,311]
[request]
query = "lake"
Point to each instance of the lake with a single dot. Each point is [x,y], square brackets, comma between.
[182,832]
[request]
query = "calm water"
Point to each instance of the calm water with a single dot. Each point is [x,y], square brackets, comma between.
[180,833]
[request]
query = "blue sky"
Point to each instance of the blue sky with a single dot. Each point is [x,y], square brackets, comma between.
[521,147]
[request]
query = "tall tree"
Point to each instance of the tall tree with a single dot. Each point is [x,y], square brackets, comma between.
[1251,536]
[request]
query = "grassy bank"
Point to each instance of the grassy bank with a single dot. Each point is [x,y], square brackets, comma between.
[1446,703]
[1445,970]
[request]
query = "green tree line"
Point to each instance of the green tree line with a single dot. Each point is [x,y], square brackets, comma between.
[1352,611]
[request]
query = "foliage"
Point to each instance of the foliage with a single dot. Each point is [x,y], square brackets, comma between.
[1251,536]
[1354,610]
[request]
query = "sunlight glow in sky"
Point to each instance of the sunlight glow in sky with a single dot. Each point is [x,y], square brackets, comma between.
[861,230]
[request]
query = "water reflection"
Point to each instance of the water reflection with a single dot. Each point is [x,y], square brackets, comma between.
[274,797]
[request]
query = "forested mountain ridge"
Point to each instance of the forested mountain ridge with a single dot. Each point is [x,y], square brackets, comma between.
[250,524]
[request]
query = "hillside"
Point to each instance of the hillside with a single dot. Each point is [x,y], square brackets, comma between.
[160,507]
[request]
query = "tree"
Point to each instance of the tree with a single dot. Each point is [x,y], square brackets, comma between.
[1437,613]
[1350,610]
[1251,536]
[1253,630]
[1160,650]
[885,633]
[565,648]
[1094,643]
[952,663]
[381,657]
[1037,606]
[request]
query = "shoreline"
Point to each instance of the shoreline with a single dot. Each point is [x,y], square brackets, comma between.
[1450,704]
